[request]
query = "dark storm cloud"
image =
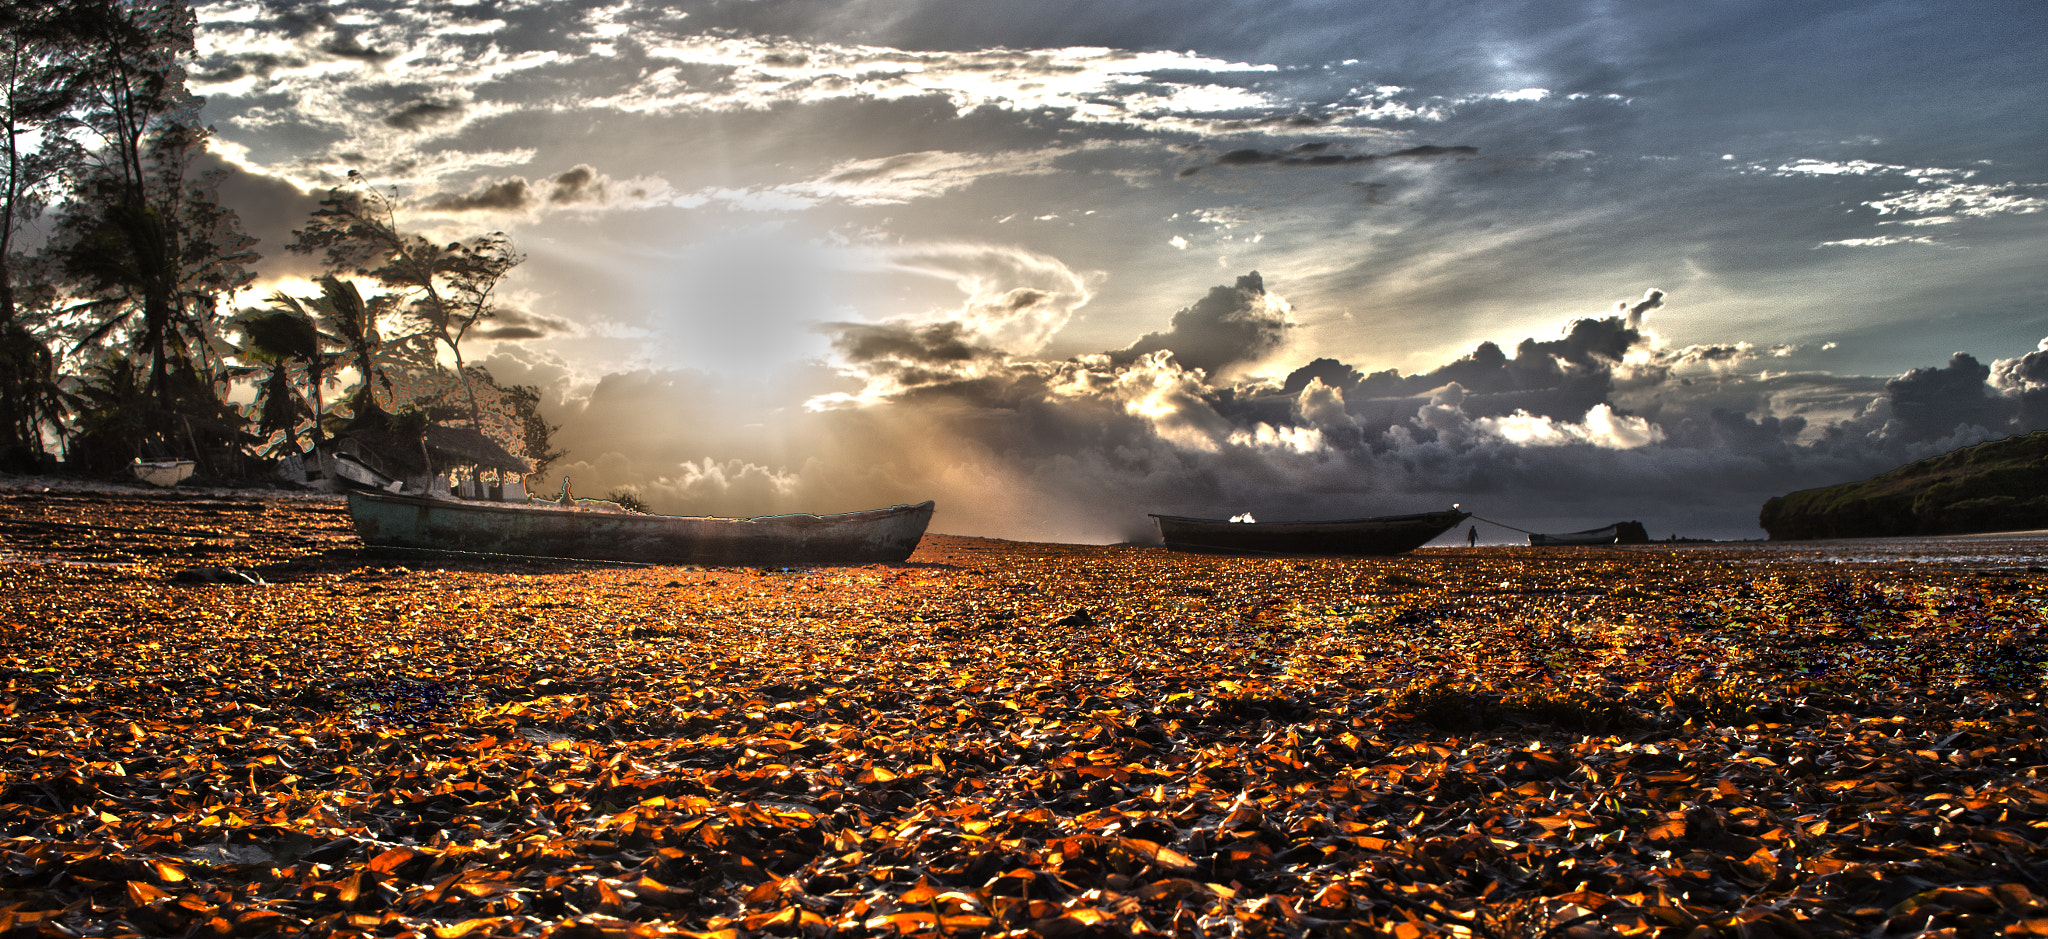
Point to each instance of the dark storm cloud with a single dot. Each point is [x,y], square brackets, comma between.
[2025,371]
[905,356]
[1328,371]
[1931,403]
[1231,326]
[1561,379]
[506,195]
[936,344]
[580,183]
[1318,154]
[226,69]
[420,114]
[513,324]
[1429,151]
[2025,379]
[344,45]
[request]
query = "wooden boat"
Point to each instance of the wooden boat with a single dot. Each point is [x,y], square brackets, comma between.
[1617,533]
[1386,534]
[589,532]
[166,473]
[351,472]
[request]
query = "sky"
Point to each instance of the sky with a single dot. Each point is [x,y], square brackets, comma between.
[1058,265]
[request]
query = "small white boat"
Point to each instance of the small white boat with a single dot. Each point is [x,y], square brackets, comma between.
[165,473]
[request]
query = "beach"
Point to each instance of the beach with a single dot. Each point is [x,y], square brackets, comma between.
[224,716]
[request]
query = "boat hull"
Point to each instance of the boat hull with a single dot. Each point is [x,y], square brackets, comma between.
[1617,533]
[1596,536]
[165,473]
[535,530]
[1389,534]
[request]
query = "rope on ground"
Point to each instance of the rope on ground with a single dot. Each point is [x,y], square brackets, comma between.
[1503,525]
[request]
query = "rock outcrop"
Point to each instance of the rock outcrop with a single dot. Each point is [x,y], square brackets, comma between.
[1997,486]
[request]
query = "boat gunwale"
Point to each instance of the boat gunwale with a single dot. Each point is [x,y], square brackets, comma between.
[1317,523]
[513,508]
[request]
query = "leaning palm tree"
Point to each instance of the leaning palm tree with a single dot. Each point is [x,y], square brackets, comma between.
[276,341]
[351,322]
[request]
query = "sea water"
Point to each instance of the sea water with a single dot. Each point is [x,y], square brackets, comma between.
[2005,550]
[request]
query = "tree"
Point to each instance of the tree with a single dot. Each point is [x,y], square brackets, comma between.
[340,308]
[277,343]
[536,434]
[31,398]
[118,419]
[36,91]
[150,252]
[130,84]
[447,288]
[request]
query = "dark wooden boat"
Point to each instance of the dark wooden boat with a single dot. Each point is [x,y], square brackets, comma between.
[1591,536]
[1386,534]
[1617,533]
[591,532]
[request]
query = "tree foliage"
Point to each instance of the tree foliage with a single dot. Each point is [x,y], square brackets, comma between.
[447,288]
[115,325]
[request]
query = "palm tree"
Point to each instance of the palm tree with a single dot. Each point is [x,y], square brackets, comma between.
[277,340]
[448,288]
[128,259]
[350,322]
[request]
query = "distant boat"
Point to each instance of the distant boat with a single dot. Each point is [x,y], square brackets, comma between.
[605,532]
[1617,533]
[1385,534]
[166,473]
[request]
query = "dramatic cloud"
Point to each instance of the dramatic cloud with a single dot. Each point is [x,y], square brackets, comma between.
[505,195]
[1083,448]
[1231,326]
[419,114]
[1932,403]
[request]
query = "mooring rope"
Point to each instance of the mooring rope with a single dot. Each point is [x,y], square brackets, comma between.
[1503,525]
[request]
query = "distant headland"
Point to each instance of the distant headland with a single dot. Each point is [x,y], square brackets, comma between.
[1997,486]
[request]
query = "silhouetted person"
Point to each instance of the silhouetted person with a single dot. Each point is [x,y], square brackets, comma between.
[1472,537]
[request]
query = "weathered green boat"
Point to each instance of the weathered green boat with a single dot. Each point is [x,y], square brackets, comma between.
[587,532]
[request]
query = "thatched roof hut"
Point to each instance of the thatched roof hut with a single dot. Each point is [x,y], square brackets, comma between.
[402,455]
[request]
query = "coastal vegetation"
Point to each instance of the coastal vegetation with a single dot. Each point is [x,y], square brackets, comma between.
[1997,486]
[120,268]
